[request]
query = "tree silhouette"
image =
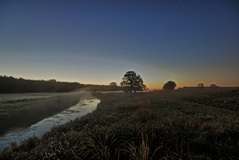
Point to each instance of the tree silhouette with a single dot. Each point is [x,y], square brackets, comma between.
[113,84]
[170,85]
[132,82]
[213,85]
[200,85]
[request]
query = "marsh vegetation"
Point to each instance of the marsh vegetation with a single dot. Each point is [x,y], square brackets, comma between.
[183,124]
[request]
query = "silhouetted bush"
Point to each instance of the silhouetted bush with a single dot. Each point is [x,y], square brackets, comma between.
[170,85]
[113,84]
[200,85]
[213,85]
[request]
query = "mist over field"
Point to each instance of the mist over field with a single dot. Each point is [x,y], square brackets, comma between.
[22,110]
[136,80]
[187,123]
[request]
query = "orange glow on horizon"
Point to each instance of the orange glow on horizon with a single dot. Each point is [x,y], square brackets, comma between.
[160,86]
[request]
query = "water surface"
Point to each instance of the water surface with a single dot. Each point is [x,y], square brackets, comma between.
[19,134]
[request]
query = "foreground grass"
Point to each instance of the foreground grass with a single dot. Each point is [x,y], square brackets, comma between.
[144,126]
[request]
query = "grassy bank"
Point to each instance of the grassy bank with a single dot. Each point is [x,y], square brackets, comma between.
[143,126]
[22,110]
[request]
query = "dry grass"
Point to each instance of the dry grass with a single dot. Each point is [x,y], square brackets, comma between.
[144,126]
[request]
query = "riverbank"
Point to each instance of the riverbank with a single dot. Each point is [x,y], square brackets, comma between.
[153,125]
[22,110]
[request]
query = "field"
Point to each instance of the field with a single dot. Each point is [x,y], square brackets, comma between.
[182,124]
[22,110]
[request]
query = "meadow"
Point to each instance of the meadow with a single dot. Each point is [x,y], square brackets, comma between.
[167,125]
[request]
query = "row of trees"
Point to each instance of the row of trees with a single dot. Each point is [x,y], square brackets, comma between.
[20,85]
[14,85]
[201,85]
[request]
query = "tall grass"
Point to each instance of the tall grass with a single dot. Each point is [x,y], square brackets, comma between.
[147,126]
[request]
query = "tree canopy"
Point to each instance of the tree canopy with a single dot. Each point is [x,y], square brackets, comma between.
[213,86]
[170,85]
[132,82]
[200,85]
[113,84]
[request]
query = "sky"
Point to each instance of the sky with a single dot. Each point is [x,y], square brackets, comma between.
[97,41]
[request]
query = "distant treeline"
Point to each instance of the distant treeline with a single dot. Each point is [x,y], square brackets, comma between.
[15,85]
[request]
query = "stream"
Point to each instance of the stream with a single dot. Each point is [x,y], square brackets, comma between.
[17,135]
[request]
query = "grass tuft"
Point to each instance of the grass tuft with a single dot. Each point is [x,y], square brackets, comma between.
[148,126]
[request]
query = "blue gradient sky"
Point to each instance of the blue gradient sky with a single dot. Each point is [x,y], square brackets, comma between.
[187,41]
